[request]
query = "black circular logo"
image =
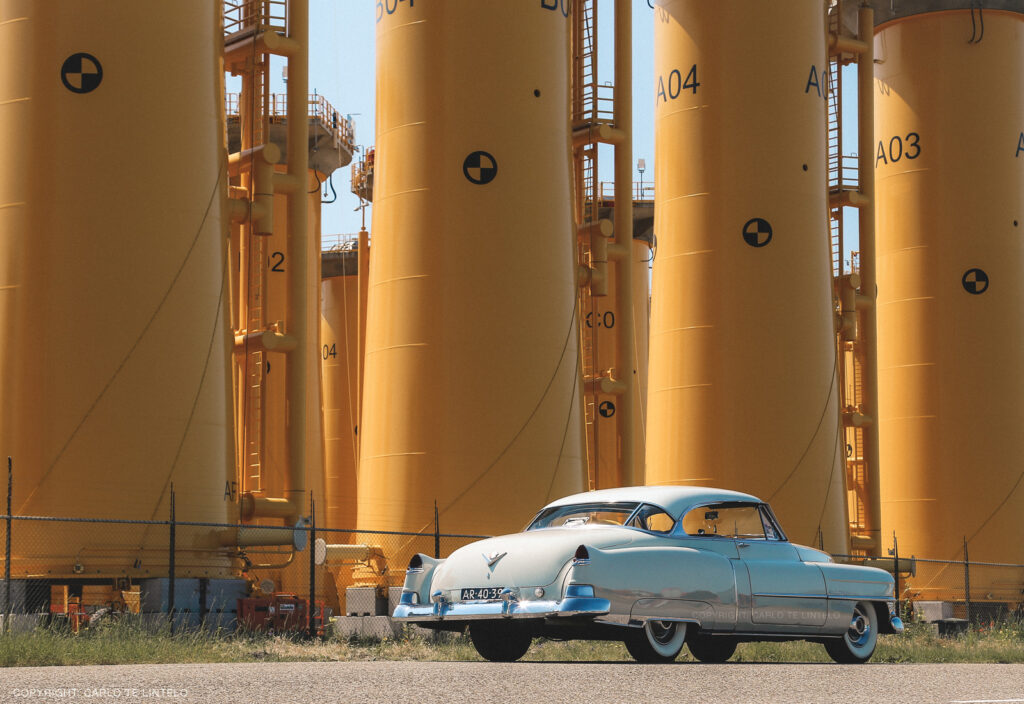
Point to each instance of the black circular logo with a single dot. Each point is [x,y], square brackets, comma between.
[606,409]
[81,73]
[757,232]
[480,168]
[975,281]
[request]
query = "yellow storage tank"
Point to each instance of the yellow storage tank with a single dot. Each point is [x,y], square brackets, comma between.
[472,373]
[113,288]
[339,336]
[949,122]
[743,391]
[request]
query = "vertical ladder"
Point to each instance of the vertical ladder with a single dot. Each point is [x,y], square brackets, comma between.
[834,94]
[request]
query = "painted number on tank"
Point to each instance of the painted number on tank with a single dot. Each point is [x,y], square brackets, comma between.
[1020,145]
[390,7]
[908,147]
[821,82]
[230,491]
[675,85]
[330,351]
[556,5]
[277,262]
[601,320]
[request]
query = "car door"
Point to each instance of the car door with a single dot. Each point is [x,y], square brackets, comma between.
[786,594]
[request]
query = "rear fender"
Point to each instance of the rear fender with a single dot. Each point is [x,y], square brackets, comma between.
[420,574]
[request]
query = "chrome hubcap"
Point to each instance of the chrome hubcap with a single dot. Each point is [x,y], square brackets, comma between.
[662,631]
[860,629]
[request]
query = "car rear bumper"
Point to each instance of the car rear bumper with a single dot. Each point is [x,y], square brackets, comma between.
[474,610]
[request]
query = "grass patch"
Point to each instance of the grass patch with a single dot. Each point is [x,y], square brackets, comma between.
[128,642]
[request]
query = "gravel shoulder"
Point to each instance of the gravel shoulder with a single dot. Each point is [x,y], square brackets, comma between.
[455,682]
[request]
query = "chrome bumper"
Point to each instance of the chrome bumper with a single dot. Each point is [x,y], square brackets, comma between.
[897,623]
[472,610]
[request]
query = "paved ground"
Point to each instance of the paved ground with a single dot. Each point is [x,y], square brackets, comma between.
[478,683]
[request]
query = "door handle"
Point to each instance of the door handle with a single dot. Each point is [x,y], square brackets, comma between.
[743,545]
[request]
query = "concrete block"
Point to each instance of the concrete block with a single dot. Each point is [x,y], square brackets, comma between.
[932,611]
[23,597]
[365,601]
[379,627]
[22,623]
[394,596]
[347,626]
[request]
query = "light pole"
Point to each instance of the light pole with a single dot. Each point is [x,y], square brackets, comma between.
[641,166]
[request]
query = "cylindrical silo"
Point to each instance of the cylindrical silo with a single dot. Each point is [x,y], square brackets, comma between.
[949,122]
[471,377]
[340,348]
[113,292]
[743,388]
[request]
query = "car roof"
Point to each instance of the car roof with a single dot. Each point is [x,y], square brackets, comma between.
[674,499]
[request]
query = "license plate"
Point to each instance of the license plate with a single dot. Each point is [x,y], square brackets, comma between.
[476,593]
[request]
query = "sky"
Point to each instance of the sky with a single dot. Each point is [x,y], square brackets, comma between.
[342,67]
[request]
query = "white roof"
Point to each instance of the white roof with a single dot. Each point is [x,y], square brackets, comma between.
[674,499]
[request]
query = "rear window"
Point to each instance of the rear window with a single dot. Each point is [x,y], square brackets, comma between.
[610,514]
[729,520]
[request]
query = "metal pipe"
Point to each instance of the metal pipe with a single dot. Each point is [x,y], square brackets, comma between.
[625,350]
[868,272]
[840,44]
[266,340]
[298,250]
[243,161]
[603,133]
[363,273]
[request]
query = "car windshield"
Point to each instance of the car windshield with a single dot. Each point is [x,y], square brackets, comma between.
[610,514]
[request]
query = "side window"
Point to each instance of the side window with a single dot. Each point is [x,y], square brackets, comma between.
[770,532]
[725,520]
[653,519]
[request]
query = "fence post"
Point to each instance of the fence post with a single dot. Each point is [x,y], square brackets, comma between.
[437,534]
[312,567]
[896,572]
[967,582]
[7,549]
[170,566]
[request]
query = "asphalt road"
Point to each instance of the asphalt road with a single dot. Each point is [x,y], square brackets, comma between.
[477,683]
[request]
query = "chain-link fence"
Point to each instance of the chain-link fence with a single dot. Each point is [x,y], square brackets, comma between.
[940,590]
[74,572]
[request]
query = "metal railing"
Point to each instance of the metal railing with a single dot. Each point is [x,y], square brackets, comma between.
[339,126]
[248,15]
[642,191]
[846,174]
[339,243]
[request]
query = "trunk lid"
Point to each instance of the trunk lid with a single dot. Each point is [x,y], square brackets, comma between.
[530,559]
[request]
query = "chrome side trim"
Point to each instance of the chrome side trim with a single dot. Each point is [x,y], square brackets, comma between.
[837,597]
[497,609]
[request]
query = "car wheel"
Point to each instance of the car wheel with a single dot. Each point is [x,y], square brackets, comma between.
[711,648]
[858,643]
[657,641]
[500,642]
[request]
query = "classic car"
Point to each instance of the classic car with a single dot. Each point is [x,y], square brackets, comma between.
[654,567]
